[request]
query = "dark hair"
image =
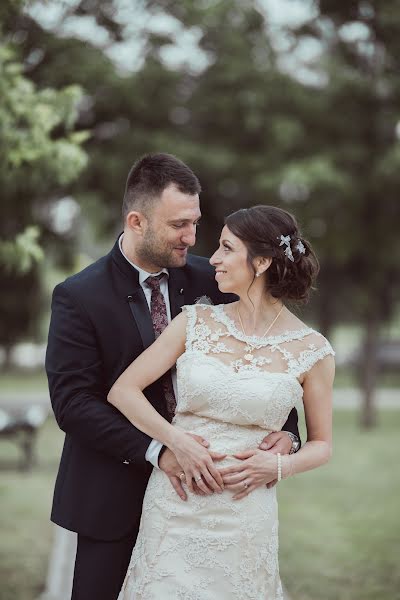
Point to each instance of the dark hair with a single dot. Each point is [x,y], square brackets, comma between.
[149,177]
[260,229]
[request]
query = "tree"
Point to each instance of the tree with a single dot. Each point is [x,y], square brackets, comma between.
[39,154]
[324,148]
[359,139]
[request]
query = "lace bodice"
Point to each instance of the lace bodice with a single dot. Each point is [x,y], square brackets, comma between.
[245,380]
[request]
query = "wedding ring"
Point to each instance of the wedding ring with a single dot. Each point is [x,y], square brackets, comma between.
[245,485]
[198,479]
[181,476]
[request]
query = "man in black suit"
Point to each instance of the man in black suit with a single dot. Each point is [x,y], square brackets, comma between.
[100,323]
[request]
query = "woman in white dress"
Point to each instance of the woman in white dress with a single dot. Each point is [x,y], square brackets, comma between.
[241,368]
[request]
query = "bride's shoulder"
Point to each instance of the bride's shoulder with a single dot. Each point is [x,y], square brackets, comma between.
[311,337]
[202,311]
[316,342]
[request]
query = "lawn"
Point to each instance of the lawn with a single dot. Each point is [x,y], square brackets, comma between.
[25,499]
[20,381]
[339,525]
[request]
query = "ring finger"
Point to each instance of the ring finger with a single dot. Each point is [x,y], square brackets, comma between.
[236,478]
[200,483]
[244,492]
[240,486]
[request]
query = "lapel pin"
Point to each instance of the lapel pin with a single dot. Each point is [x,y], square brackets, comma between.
[181,291]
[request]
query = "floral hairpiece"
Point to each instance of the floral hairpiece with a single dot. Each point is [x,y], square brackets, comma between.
[285,241]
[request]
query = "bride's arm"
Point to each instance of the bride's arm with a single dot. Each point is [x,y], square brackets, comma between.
[317,399]
[127,396]
[260,467]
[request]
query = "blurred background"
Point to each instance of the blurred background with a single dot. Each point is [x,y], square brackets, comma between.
[287,102]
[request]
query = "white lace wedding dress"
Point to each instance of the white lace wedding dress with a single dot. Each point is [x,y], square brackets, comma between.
[233,394]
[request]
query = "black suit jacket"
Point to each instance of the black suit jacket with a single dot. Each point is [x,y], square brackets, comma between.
[100,323]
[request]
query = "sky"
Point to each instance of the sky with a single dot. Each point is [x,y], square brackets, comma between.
[128,55]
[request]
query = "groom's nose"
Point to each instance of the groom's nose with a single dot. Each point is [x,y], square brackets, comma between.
[189,236]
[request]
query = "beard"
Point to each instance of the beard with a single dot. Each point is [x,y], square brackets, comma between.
[156,251]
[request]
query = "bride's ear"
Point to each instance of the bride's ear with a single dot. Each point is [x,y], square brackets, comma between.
[262,264]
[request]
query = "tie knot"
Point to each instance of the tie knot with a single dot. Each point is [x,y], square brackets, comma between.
[154,281]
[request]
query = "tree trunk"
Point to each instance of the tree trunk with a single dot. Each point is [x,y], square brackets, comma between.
[7,364]
[368,373]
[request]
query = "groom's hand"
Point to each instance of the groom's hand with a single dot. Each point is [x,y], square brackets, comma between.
[277,441]
[173,469]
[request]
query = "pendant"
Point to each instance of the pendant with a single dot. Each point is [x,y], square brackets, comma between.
[248,357]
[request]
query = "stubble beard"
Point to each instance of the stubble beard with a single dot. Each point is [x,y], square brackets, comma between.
[154,252]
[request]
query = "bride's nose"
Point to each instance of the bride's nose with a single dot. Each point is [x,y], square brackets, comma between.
[214,260]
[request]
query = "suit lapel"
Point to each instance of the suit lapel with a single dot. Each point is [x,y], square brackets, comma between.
[132,291]
[176,290]
[140,311]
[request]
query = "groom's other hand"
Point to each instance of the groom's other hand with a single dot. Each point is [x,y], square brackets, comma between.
[277,441]
[172,468]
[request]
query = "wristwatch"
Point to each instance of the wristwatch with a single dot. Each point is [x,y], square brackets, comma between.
[295,442]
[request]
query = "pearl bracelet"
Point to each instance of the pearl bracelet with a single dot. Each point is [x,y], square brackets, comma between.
[279,466]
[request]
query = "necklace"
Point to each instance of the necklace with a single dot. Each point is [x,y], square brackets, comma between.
[249,346]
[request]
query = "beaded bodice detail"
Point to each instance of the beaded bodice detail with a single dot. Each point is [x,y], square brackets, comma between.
[211,331]
[228,376]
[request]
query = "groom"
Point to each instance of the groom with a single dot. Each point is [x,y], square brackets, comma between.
[102,319]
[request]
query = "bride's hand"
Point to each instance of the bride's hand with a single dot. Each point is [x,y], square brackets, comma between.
[256,469]
[197,463]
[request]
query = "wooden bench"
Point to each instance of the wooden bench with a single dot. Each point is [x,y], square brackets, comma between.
[21,424]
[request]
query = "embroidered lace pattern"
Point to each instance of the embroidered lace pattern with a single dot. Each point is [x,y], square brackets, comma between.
[233,394]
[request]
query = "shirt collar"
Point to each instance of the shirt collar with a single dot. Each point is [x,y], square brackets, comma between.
[143,275]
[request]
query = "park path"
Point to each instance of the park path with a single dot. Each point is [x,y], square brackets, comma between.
[342,398]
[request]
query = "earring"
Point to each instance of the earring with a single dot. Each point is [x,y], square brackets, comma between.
[258,274]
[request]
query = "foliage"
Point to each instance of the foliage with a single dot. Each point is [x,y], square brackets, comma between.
[39,155]
[323,145]
[21,254]
[361,94]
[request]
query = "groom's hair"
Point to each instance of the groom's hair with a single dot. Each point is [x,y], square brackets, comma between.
[149,177]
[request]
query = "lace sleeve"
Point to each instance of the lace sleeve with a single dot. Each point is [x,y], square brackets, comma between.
[315,352]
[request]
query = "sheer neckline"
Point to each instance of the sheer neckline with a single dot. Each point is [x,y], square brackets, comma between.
[285,336]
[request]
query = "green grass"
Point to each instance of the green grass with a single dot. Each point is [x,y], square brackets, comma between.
[23,380]
[339,525]
[25,499]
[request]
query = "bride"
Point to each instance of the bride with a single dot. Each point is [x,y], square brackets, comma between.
[241,368]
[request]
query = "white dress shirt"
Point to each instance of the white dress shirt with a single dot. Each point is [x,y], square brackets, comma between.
[155,446]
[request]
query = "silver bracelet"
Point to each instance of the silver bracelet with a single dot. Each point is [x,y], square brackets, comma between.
[279,466]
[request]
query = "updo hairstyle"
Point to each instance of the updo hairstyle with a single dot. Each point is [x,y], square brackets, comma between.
[260,228]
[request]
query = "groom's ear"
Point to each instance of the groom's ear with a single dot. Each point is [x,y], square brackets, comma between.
[137,222]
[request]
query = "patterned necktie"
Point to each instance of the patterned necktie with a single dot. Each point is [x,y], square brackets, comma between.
[158,311]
